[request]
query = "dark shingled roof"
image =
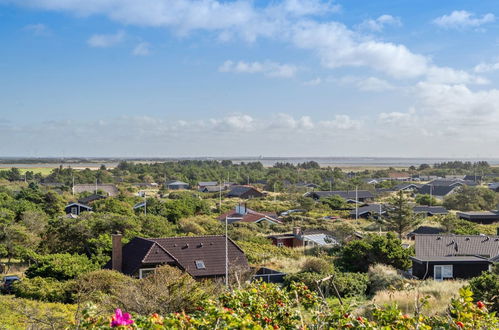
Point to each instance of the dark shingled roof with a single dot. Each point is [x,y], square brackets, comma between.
[346,194]
[91,198]
[433,210]
[437,190]
[425,230]
[371,208]
[238,191]
[433,246]
[183,252]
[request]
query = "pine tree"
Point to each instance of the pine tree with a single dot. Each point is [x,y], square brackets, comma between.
[400,216]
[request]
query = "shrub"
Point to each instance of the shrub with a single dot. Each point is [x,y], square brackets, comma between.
[486,288]
[258,253]
[358,255]
[348,284]
[44,289]
[383,277]
[62,266]
[317,265]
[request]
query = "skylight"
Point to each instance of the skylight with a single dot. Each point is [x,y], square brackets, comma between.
[200,264]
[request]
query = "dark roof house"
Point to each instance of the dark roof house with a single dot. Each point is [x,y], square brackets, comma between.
[453,256]
[368,210]
[243,214]
[245,192]
[483,217]
[200,256]
[176,185]
[76,208]
[430,210]
[89,199]
[437,191]
[424,230]
[349,195]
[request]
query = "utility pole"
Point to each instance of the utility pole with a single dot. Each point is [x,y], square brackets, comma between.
[226,254]
[356,204]
[145,203]
[220,196]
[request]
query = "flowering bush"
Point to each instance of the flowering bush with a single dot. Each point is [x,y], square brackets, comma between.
[266,306]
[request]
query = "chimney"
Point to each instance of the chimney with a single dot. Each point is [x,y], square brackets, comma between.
[297,231]
[117,255]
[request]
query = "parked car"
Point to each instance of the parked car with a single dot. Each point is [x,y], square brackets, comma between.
[7,282]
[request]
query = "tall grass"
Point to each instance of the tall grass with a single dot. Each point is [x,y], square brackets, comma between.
[438,293]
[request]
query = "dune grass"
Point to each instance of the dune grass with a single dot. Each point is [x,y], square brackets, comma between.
[438,296]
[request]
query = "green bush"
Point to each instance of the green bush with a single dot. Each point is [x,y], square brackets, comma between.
[61,267]
[257,252]
[44,289]
[347,284]
[486,288]
[317,265]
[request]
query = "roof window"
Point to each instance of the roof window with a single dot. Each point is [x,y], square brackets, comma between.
[200,264]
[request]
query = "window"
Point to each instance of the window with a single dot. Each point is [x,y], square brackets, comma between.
[441,272]
[144,272]
[74,210]
[200,264]
[280,244]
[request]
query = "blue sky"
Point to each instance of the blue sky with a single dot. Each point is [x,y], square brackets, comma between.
[220,78]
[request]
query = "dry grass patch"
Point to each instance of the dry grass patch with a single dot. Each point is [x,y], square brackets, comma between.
[439,293]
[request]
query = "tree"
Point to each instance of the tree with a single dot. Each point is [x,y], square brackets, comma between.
[358,255]
[486,288]
[399,216]
[452,224]
[61,267]
[426,199]
[471,199]
[335,202]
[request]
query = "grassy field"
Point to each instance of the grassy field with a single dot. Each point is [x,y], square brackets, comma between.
[42,170]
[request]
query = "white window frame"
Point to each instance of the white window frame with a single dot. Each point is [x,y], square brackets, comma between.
[280,244]
[200,262]
[443,272]
[75,209]
[141,276]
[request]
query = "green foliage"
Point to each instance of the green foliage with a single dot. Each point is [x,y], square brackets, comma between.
[59,266]
[44,289]
[452,224]
[471,199]
[347,284]
[358,255]
[426,199]
[400,217]
[335,202]
[382,277]
[318,265]
[112,205]
[486,288]
[258,253]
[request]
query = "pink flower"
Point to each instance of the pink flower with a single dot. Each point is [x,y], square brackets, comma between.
[120,319]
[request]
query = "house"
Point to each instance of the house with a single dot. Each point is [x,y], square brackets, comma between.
[474,178]
[243,214]
[350,196]
[412,187]
[369,210]
[453,256]
[307,185]
[399,176]
[307,238]
[76,208]
[203,184]
[494,186]
[430,210]
[483,217]
[90,199]
[371,181]
[202,257]
[176,185]
[244,192]
[439,192]
[424,230]
[109,189]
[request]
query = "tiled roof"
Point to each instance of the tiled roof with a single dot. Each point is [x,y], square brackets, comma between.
[456,245]
[437,190]
[237,191]
[184,252]
[426,230]
[371,208]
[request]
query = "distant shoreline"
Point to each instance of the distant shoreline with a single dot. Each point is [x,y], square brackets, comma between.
[343,162]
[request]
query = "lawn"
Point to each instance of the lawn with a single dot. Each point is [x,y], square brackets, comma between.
[43,170]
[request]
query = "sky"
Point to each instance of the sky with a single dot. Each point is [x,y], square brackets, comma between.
[171,78]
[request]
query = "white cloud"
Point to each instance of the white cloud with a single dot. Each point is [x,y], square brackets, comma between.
[378,24]
[313,82]
[142,49]
[374,84]
[341,122]
[459,19]
[268,68]
[486,67]
[37,29]
[106,40]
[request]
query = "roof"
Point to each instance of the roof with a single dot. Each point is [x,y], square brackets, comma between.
[479,215]
[346,194]
[425,230]
[110,189]
[432,246]
[250,216]
[321,239]
[176,183]
[452,182]
[207,183]
[371,208]
[78,204]
[91,198]
[407,185]
[430,209]
[216,188]
[237,191]
[184,252]
[437,190]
